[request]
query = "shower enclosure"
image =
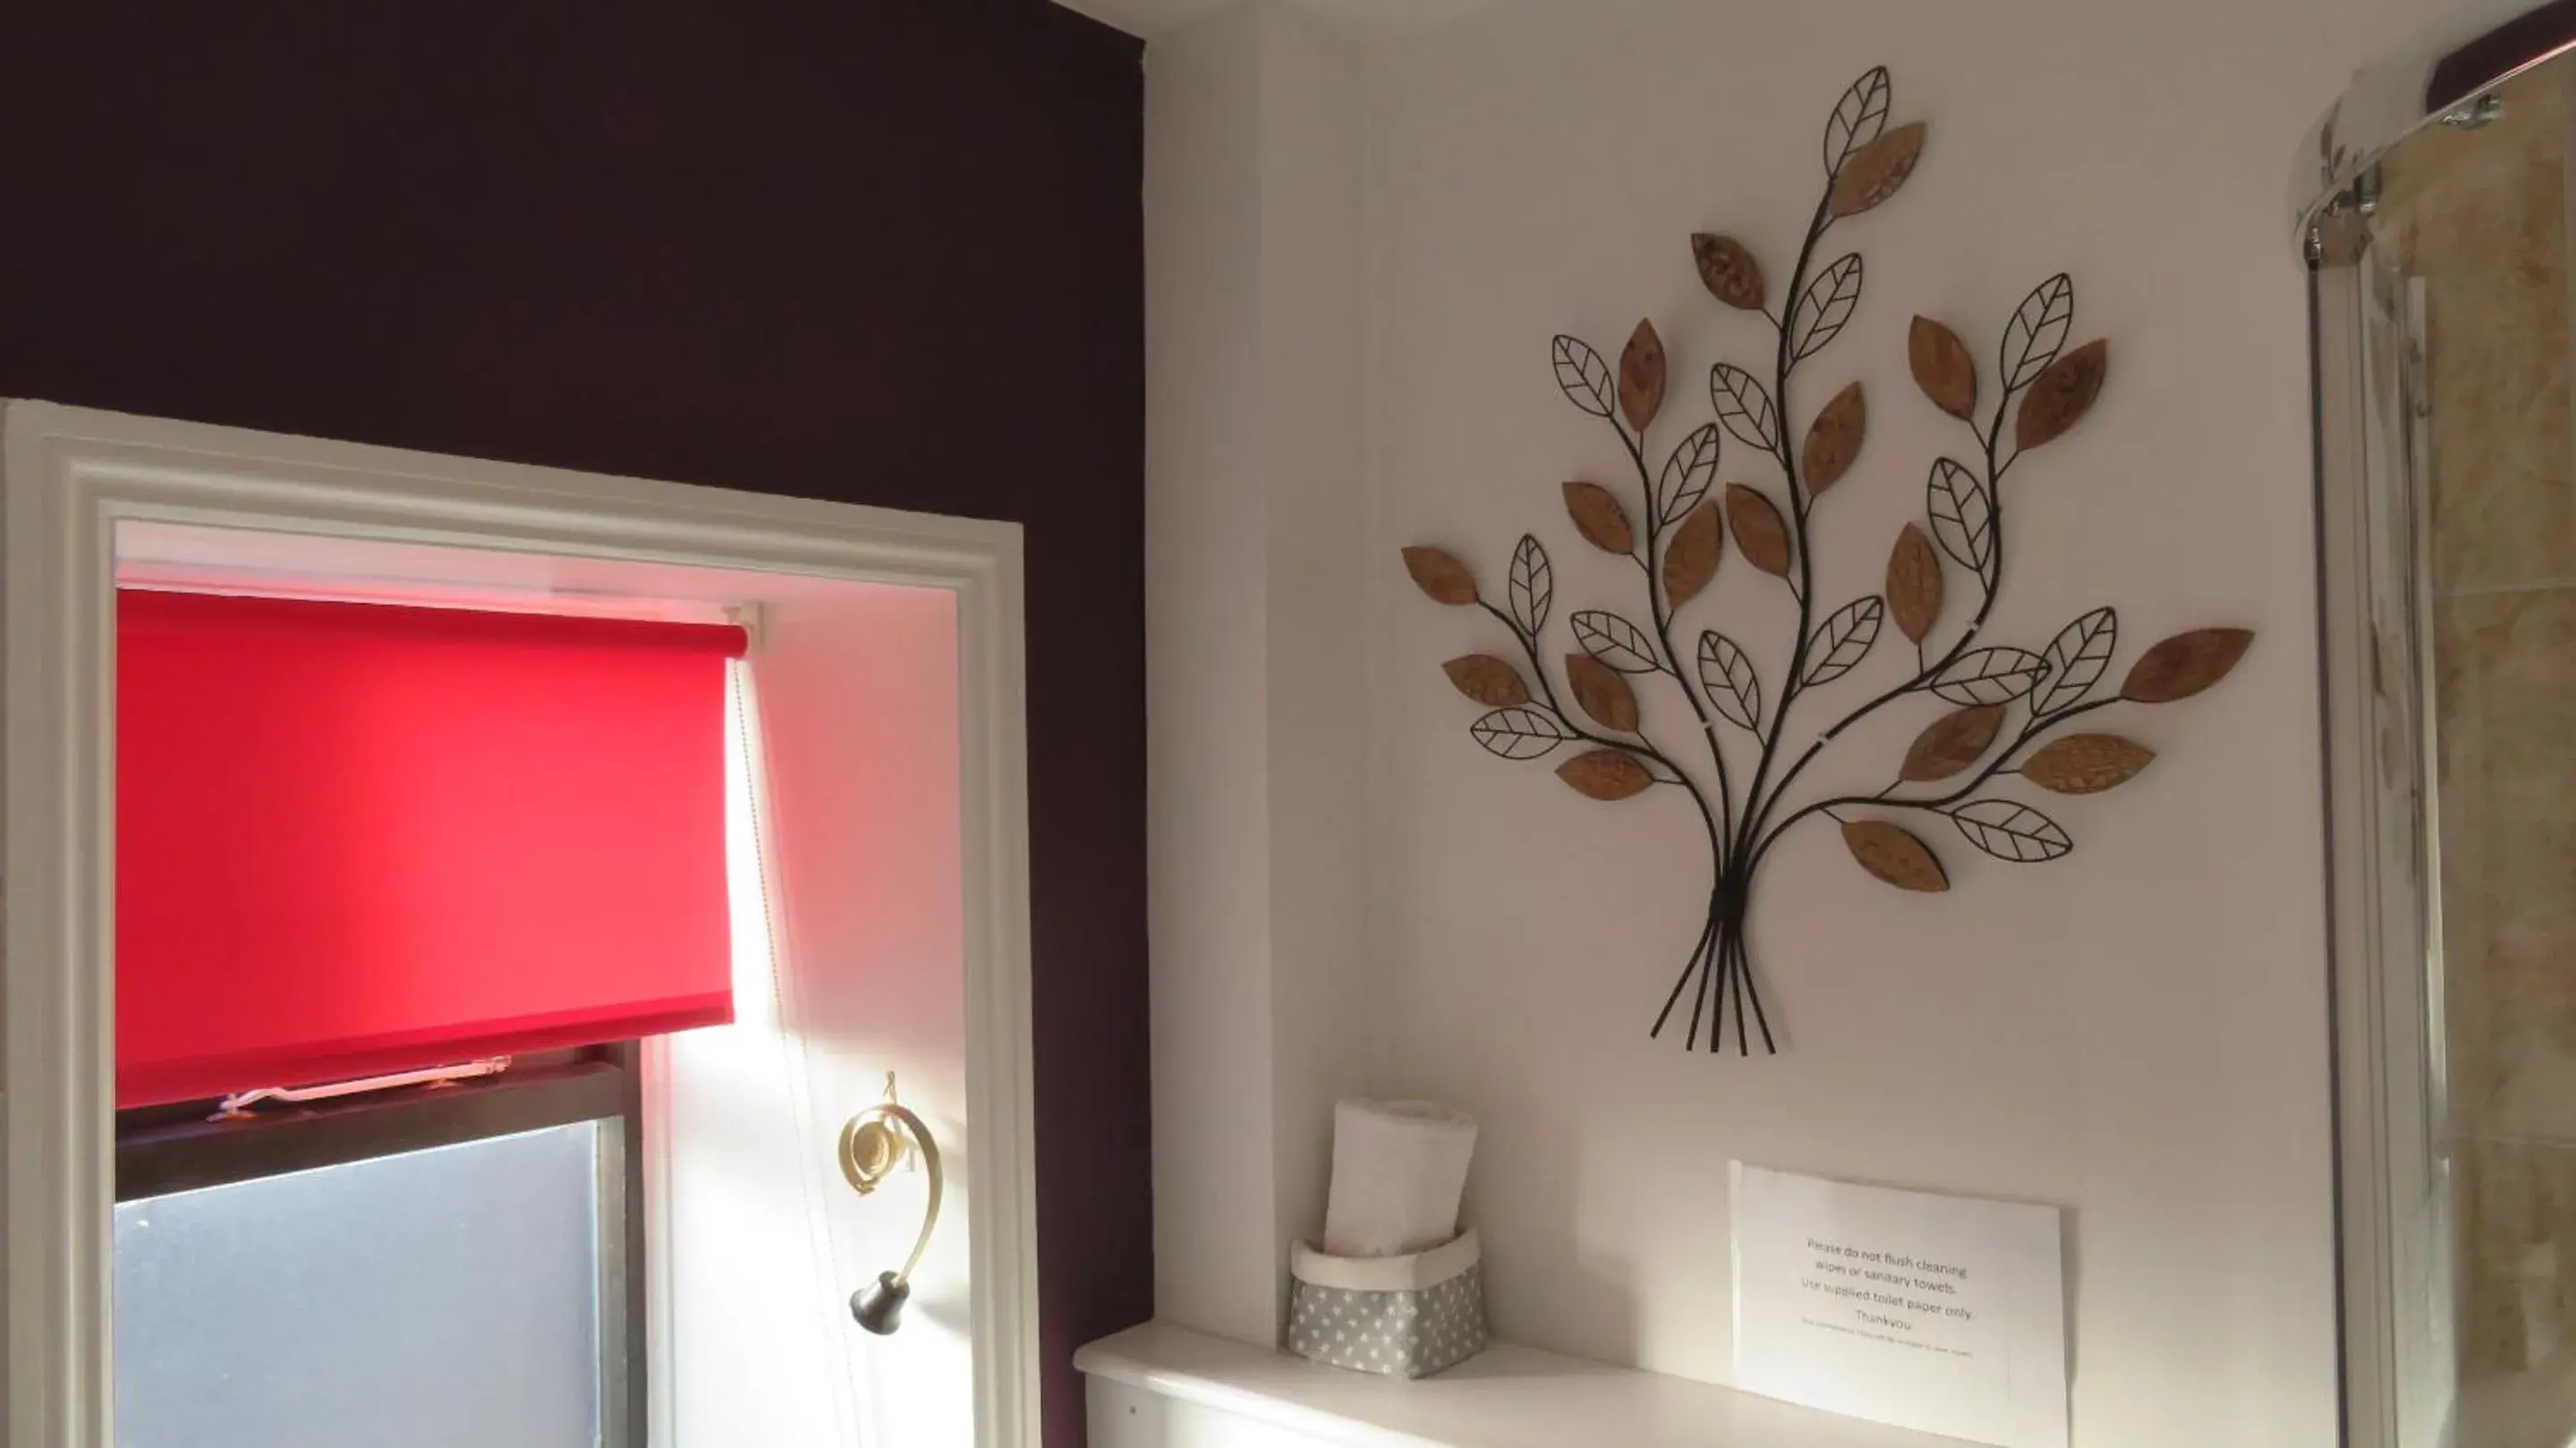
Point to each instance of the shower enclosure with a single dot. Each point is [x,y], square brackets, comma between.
[2433,210]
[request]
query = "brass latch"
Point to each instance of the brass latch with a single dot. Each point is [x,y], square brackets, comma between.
[873,1144]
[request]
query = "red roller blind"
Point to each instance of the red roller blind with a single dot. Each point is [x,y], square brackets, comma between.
[354,839]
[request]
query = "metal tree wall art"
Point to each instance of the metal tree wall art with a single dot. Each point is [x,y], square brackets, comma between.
[2002,710]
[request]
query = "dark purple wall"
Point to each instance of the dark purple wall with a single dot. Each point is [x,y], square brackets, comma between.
[887,251]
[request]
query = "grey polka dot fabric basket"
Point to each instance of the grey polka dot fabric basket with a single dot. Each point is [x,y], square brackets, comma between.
[1406,1317]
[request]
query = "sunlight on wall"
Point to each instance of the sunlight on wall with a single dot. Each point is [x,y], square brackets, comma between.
[849,962]
[752,1302]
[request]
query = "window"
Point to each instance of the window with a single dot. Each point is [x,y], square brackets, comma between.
[431,1266]
[356,839]
[853,609]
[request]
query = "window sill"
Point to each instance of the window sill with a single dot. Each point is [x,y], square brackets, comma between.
[1505,1397]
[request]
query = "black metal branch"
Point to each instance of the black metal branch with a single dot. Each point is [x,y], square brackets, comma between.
[2037,724]
[1990,581]
[1663,617]
[1709,951]
[1732,867]
[1707,931]
[1703,966]
[1712,984]
[1784,361]
[1722,951]
[1752,987]
[1735,975]
[1640,745]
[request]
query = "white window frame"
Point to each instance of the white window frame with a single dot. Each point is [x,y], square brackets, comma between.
[68,476]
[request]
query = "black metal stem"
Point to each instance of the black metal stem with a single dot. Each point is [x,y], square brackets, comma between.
[1785,360]
[1731,967]
[1733,876]
[1721,823]
[1710,988]
[1990,583]
[1707,929]
[1639,745]
[1752,987]
[1663,617]
[1885,800]
[1735,973]
[1735,976]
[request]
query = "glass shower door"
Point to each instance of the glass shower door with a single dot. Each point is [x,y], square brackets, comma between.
[2398,1209]
[2447,452]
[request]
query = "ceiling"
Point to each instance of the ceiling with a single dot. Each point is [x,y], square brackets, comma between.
[1152,17]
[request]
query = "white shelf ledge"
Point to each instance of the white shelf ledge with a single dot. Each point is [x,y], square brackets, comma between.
[1504,1397]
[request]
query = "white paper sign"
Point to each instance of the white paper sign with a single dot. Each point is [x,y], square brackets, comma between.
[1944,1314]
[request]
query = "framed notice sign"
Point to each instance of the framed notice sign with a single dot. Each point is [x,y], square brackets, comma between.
[1944,1314]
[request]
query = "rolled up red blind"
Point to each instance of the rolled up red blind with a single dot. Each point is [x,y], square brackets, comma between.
[355,839]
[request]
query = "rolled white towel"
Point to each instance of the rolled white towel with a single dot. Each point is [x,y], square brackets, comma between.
[1399,1168]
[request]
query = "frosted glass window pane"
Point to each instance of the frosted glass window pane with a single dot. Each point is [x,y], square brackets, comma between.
[427,1300]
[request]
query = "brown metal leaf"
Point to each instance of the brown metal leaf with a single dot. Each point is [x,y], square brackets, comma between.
[2086,763]
[1728,270]
[1436,572]
[2185,664]
[2061,396]
[1488,680]
[1893,854]
[1952,743]
[1914,583]
[1759,531]
[1602,692]
[1690,560]
[1641,376]
[1606,774]
[1599,518]
[1834,438]
[1942,367]
[1875,171]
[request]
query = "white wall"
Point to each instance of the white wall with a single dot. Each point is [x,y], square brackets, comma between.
[1316,582]
[1255,651]
[2137,1032]
[1208,846]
